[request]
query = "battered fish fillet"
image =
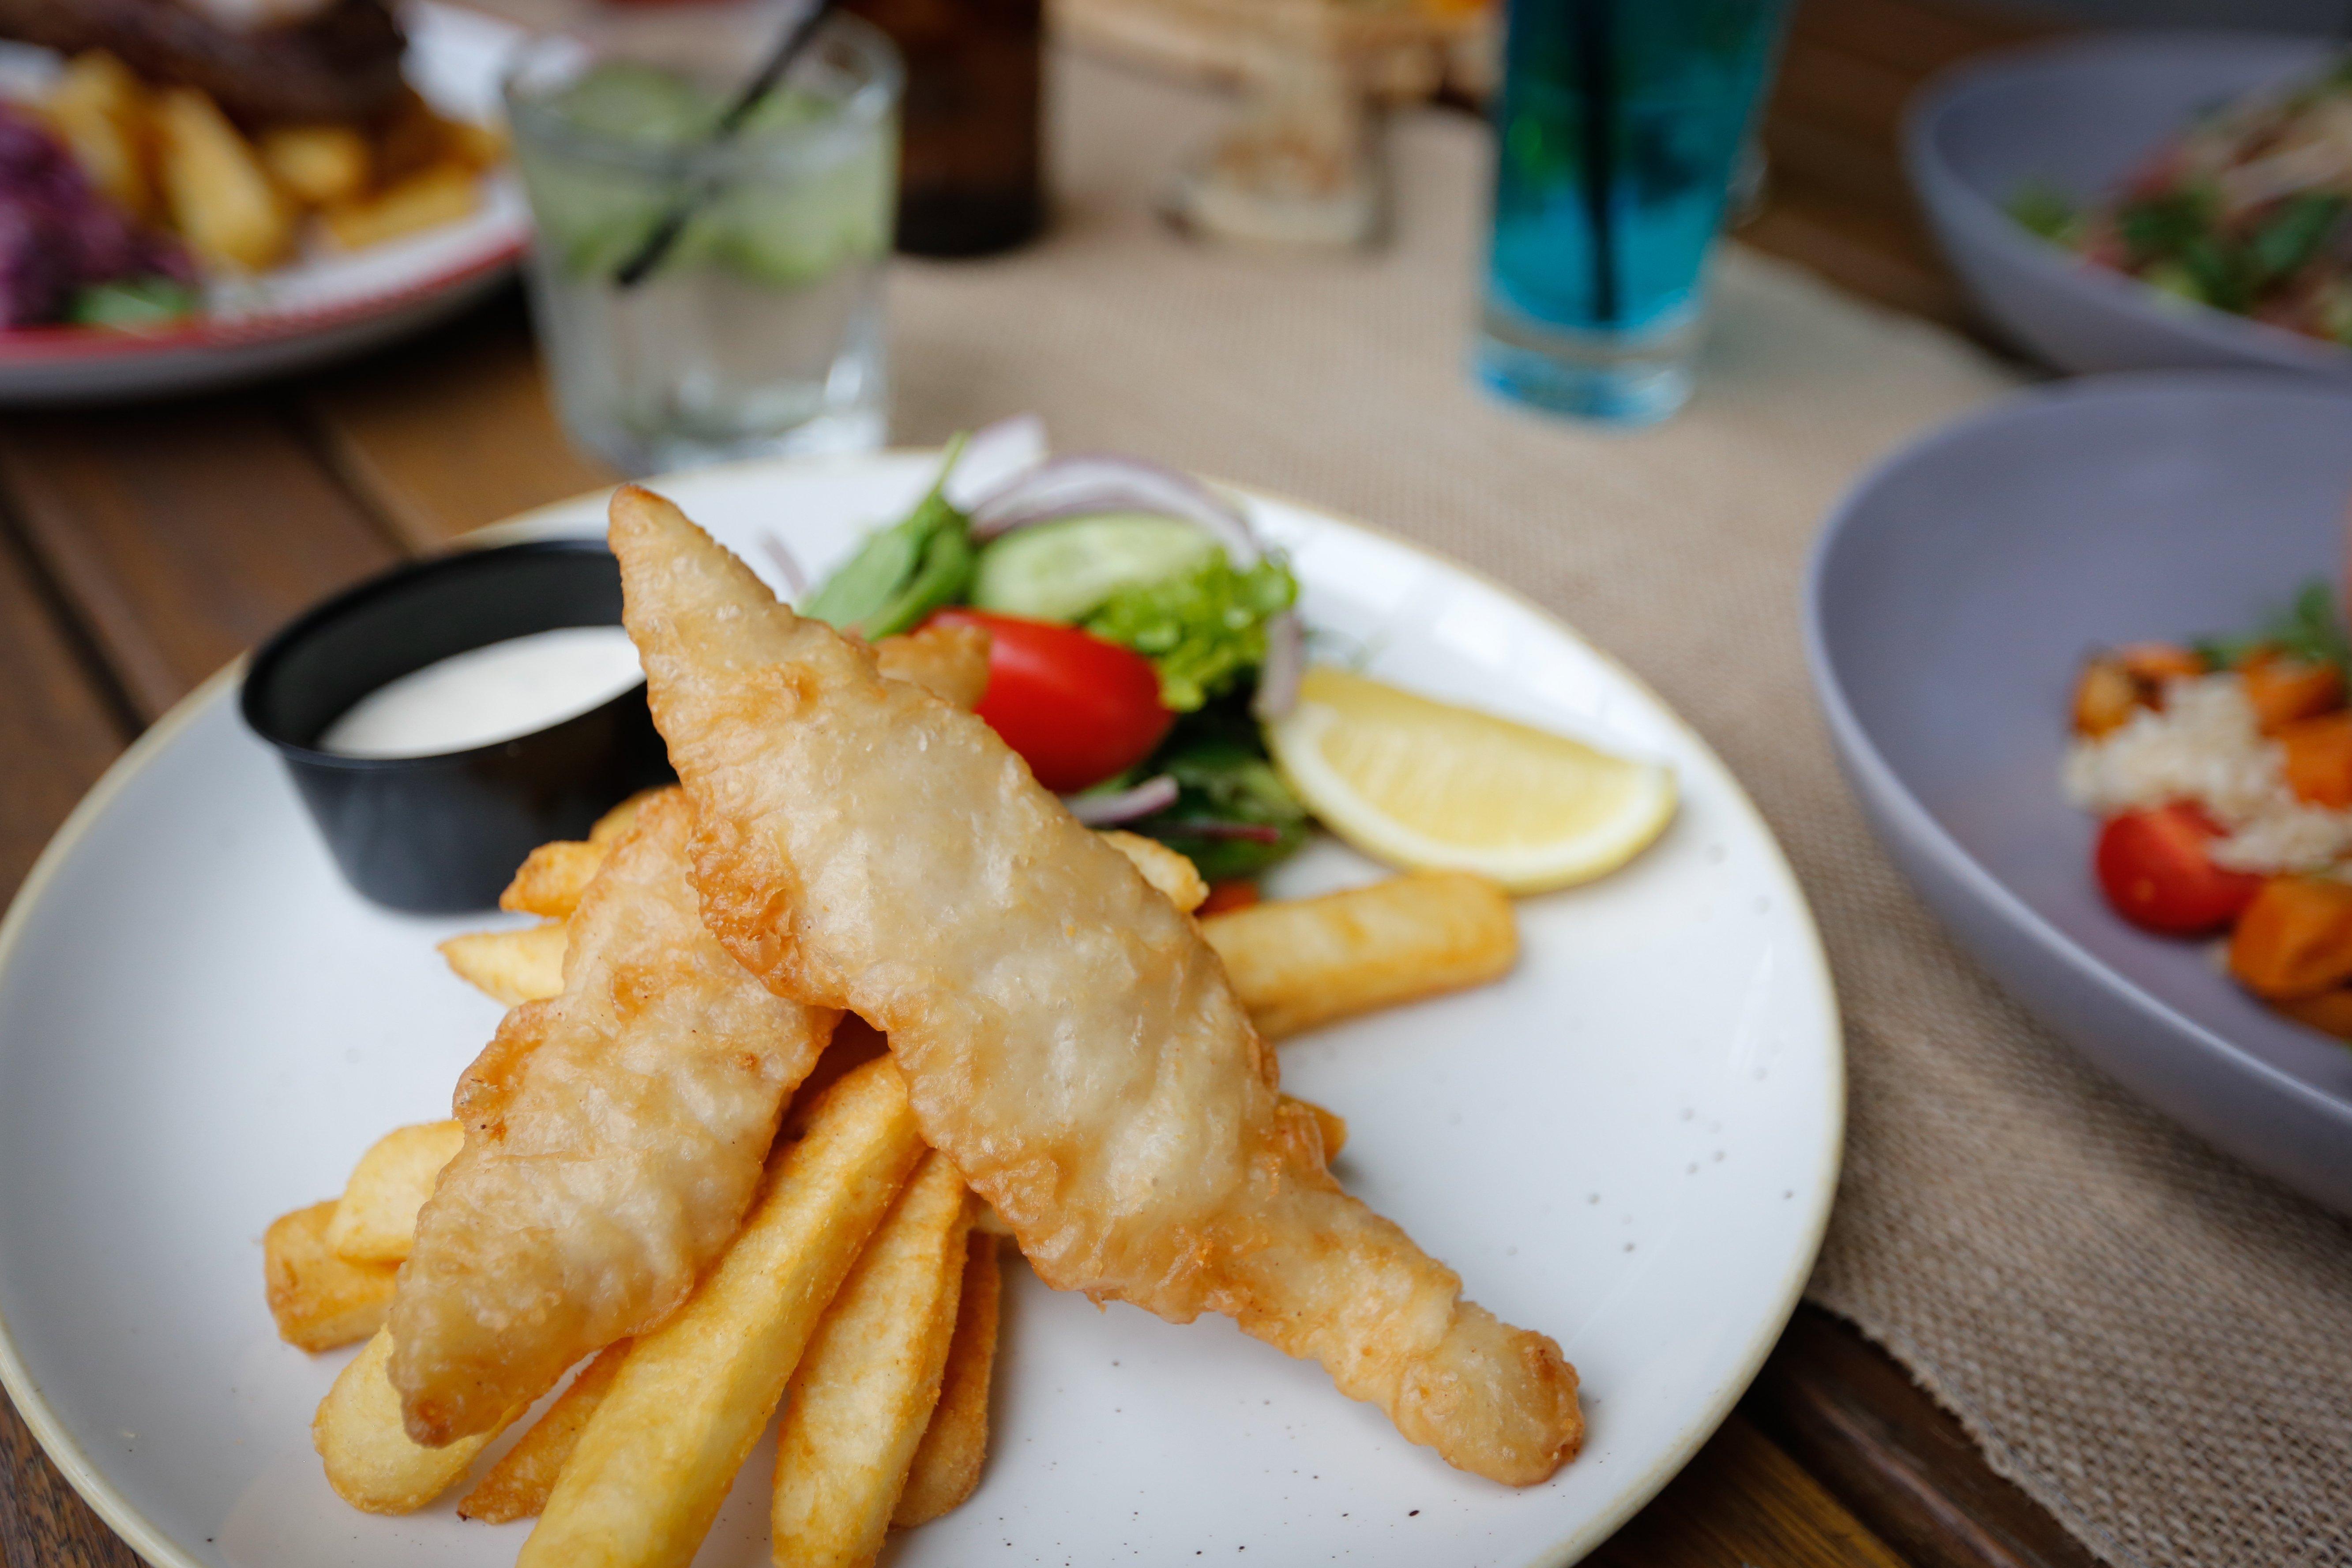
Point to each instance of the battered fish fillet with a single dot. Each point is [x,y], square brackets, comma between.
[615,1133]
[1071,1043]
[613,1136]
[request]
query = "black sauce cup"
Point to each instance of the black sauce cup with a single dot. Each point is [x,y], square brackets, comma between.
[443,834]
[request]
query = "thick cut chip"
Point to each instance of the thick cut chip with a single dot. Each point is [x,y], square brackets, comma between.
[948,1461]
[1175,877]
[518,1485]
[553,877]
[863,1392]
[614,1137]
[376,1220]
[1070,1041]
[1299,962]
[662,1449]
[319,1300]
[512,966]
[371,1462]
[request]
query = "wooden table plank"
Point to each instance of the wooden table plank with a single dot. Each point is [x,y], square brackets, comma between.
[1917,37]
[182,533]
[454,431]
[1855,1420]
[1743,1502]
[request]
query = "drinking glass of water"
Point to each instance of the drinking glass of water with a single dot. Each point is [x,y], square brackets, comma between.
[1619,129]
[759,329]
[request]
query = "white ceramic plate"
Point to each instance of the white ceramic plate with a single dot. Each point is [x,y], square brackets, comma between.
[322,306]
[1631,1143]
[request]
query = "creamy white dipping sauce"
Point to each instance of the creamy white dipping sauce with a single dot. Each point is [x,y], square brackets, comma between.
[489,694]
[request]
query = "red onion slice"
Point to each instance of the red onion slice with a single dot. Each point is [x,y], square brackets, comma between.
[1152,795]
[1285,667]
[1249,832]
[1090,482]
[995,455]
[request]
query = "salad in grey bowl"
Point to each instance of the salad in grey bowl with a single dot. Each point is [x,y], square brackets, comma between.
[1951,605]
[2158,201]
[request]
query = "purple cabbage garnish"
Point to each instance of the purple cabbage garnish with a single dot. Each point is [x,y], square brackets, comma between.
[58,235]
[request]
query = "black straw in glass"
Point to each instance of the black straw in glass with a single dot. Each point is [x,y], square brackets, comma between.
[788,48]
[1596,69]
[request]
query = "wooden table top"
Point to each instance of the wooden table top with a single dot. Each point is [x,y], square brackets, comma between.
[141,548]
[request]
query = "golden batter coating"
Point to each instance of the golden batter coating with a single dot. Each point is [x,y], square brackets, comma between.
[613,1136]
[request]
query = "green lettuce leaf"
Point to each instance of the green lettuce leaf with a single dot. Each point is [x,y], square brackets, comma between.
[1202,629]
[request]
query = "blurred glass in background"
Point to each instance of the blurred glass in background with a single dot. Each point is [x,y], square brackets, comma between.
[1620,128]
[761,329]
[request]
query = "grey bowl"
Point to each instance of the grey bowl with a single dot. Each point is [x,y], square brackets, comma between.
[1947,608]
[2081,117]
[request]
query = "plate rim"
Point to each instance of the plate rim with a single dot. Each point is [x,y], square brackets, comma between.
[1881,781]
[120,1516]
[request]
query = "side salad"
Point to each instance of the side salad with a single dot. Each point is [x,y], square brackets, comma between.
[2249,211]
[2221,770]
[1140,633]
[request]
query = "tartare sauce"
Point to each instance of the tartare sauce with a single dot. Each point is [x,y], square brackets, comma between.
[489,694]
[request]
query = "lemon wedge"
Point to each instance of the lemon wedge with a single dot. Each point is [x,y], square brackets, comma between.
[1429,786]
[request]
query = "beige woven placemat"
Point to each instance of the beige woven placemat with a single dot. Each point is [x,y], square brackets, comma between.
[2157,1345]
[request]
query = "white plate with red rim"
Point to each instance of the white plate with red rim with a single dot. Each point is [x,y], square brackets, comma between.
[326,304]
[1631,1143]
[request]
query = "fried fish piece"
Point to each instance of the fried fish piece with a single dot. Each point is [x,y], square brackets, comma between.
[1070,1041]
[614,1135]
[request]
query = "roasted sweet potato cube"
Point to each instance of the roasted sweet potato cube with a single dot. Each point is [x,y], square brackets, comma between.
[2330,1012]
[2295,941]
[2319,759]
[2285,689]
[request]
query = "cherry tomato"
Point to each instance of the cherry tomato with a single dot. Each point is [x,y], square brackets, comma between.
[1239,893]
[2154,867]
[1078,708]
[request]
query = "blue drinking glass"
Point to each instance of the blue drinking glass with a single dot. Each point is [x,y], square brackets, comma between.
[1619,130]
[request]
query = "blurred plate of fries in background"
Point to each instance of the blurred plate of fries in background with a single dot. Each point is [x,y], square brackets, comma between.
[225,1080]
[311,243]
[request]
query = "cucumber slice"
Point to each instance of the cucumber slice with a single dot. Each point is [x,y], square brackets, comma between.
[1059,571]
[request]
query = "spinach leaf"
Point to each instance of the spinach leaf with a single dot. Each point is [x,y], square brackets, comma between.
[905,572]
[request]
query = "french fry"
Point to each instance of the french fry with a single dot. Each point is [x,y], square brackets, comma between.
[473,145]
[553,877]
[427,199]
[1173,875]
[623,816]
[376,1220]
[222,200]
[1334,1127]
[659,1454]
[371,1462]
[518,1485]
[863,1392]
[513,966]
[319,165]
[100,110]
[1300,962]
[948,1460]
[319,1300]
[949,662]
